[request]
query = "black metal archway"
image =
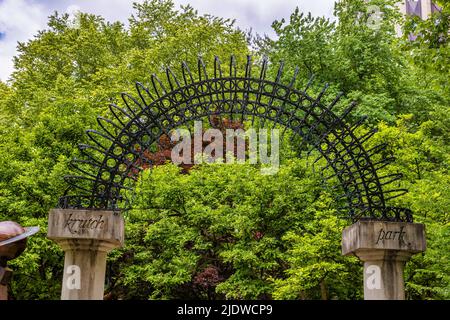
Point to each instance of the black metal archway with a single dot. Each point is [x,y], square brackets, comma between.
[119,145]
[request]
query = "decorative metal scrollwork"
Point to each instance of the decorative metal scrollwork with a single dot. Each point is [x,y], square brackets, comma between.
[118,147]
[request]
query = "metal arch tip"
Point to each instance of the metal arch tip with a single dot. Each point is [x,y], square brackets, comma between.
[186,72]
[201,69]
[170,75]
[279,72]
[158,86]
[248,67]
[139,87]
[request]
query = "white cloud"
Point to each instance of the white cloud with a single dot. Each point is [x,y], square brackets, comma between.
[73,9]
[21,19]
[74,18]
[111,10]
[259,14]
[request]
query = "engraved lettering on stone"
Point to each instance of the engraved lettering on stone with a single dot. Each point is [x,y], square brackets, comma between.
[79,225]
[391,235]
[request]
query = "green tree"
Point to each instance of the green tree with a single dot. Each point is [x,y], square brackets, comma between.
[424,160]
[63,79]
[404,83]
[227,231]
[236,234]
[366,61]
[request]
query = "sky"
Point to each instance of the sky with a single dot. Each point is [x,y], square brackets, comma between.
[20,20]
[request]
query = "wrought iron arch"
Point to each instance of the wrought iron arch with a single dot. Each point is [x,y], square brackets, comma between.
[118,147]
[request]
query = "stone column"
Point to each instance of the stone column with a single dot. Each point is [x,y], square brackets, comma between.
[384,247]
[86,236]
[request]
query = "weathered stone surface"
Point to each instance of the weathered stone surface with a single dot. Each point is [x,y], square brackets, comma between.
[86,236]
[388,284]
[384,247]
[383,235]
[86,260]
[86,224]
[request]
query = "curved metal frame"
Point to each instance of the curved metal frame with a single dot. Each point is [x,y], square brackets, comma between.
[118,148]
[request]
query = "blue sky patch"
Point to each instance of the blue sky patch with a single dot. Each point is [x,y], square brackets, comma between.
[2,35]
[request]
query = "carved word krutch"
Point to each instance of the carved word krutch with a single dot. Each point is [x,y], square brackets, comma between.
[77,226]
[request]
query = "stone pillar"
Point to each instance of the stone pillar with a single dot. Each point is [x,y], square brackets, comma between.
[86,236]
[384,247]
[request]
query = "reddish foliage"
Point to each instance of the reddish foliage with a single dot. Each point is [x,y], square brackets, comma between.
[164,146]
[208,278]
[258,235]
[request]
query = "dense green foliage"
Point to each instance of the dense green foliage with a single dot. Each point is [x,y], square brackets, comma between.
[64,79]
[182,243]
[237,234]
